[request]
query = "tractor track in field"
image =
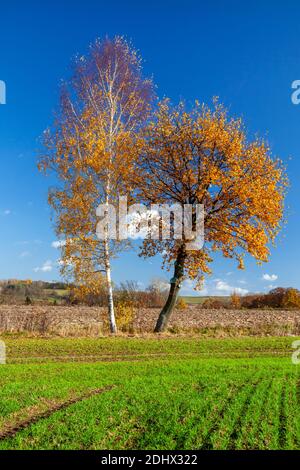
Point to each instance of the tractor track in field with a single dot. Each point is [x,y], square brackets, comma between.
[139,357]
[261,410]
[298,392]
[12,430]
[282,417]
[207,444]
[240,419]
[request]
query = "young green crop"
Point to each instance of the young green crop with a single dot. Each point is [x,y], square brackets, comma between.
[233,394]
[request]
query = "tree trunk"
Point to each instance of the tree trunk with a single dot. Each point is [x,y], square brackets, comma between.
[175,285]
[111,310]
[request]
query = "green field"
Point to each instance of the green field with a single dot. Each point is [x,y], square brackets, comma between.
[148,393]
[198,300]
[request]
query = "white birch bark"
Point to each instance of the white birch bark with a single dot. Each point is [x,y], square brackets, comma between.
[111,310]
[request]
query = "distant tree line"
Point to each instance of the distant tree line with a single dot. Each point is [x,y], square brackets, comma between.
[131,294]
[280,298]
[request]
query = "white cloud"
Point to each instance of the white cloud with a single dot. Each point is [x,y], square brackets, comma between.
[188,288]
[62,262]
[224,287]
[269,277]
[25,254]
[213,287]
[239,290]
[7,212]
[58,243]
[47,267]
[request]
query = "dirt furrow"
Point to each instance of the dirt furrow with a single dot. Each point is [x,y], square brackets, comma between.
[11,431]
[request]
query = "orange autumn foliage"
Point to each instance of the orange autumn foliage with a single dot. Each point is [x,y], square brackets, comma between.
[91,149]
[204,157]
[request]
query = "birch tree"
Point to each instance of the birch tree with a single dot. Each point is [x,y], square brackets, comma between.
[92,148]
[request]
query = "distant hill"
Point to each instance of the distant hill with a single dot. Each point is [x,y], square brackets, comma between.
[198,300]
[20,291]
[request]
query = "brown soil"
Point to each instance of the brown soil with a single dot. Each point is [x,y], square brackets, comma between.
[91,321]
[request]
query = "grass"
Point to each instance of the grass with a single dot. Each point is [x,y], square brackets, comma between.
[169,393]
[199,300]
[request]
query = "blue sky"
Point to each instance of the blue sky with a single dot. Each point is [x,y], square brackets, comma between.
[247,53]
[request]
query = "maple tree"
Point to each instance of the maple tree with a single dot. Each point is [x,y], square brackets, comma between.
[91,148]
[204,157]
